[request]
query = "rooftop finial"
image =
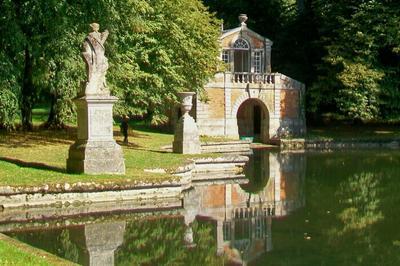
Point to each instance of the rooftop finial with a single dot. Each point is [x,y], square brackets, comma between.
[243,18]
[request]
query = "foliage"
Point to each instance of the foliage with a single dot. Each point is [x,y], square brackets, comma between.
[8,109]
[359,75]
[167,47]
[155,49]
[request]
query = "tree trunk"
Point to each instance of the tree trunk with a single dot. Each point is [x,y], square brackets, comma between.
[28,92]
[53,120]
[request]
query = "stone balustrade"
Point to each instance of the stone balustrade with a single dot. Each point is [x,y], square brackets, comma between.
[248,77]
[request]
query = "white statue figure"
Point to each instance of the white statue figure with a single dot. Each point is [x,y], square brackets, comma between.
[96,62]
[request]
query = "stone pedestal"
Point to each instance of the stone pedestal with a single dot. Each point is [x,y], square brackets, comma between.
[186,138]
[95,151]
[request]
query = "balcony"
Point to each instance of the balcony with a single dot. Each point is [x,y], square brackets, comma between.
[248,77]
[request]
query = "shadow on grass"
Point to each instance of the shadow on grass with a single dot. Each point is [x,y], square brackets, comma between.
[129,145]
[35,165]
[37,137]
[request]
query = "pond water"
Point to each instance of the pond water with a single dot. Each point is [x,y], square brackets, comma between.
[338,208]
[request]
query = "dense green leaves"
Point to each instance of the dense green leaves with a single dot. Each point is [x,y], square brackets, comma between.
[155,49]
[173,48]
[360,71]
[8,109]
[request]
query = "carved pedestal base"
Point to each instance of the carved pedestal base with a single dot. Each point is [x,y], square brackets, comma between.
[95,151]
[96,157]
[186,138]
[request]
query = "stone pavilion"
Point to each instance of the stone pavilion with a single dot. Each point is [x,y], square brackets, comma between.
[247,99]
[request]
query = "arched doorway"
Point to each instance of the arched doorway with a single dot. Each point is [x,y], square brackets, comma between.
[253,120]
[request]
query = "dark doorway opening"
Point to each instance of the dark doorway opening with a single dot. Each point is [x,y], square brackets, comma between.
[241,61]
[252,120]
[257,120]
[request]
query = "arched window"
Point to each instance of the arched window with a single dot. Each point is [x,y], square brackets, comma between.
[241,44]
[241,56]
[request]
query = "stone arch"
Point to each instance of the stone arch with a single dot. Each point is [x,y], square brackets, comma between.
[245,96]
[243,36]
[252,117]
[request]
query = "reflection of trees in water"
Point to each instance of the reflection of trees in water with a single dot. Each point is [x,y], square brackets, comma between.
[56,241]
[351,216]
[157,241]
[361,196]
[161,242]
[368,226]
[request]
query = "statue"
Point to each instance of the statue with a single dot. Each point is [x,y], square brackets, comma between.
[95,150]
[96,62]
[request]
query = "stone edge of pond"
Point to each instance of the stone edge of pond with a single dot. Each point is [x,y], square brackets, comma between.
[227,167]
[226,146]
[320,144]
[21,247]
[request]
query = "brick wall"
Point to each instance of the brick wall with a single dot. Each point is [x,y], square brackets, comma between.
[289,104]
[216,103]
[214,196]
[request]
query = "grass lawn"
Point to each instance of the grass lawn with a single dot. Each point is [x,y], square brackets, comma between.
[39,157]
[13,252]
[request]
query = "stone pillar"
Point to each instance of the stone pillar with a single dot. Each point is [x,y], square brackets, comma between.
[98,242]
[186,138]
[95,151]
[275,116]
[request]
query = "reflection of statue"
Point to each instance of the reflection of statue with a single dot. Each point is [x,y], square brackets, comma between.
[96,62]
[97,242]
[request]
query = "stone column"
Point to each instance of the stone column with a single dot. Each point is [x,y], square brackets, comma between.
[186,138]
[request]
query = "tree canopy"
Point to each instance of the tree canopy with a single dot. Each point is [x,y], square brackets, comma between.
[155,49]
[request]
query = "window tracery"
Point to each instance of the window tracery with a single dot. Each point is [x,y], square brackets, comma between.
[241,44]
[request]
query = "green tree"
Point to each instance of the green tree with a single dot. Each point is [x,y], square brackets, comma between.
[359,75]
[155,49]
[35,38]
[169,46]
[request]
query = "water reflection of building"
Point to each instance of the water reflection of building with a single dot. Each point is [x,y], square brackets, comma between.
[243,213]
